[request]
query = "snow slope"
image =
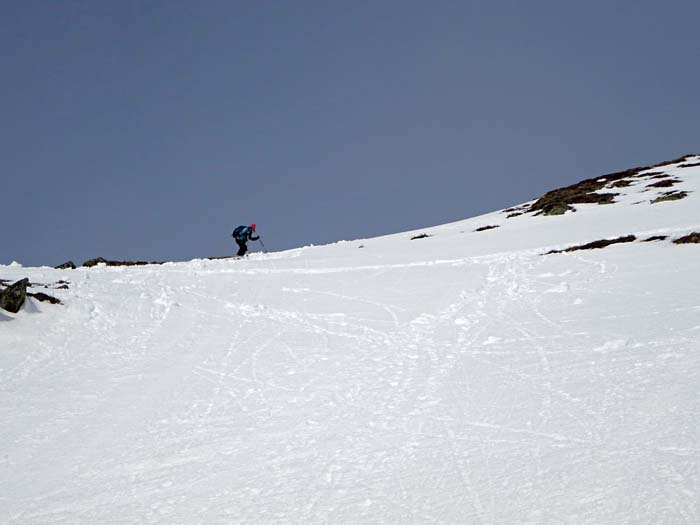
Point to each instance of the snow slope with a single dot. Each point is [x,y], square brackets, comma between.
[460,378]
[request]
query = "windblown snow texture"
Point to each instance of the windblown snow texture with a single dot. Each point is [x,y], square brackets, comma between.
[463,377]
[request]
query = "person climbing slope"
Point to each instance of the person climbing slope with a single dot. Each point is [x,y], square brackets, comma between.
[243,234]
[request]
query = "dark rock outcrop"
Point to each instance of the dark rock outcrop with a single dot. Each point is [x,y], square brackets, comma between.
[41,296]
[596,244]
[559,201]
[12,298]
[671,196]
[693,238]
[101,260]
[68,265]
[94,262]
[484,228]
[421,236]
[665,183]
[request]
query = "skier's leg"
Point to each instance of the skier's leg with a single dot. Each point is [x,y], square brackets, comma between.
[242,248]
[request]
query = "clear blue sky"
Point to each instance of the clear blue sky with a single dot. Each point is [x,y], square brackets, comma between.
[149,130]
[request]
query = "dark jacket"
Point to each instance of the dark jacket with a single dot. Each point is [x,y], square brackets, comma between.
[243,234]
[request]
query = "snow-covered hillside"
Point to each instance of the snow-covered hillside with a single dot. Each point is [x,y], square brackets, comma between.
[462,377]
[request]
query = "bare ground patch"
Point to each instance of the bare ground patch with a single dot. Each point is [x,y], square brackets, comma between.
[665,183]
[100,260]
[670,196]
[692,238]
[560,201]
[602,243]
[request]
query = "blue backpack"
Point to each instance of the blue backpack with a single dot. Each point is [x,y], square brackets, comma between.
[240,232]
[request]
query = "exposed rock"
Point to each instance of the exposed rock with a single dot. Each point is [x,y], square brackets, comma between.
[517,209]
[671,196]
[68,265]
[40,296]
[656,238]
[559,201]
[421,236]
[596,244]
[94,262]
[101,260]
[510,216]
[690,165]
[483,228]
[555,208]
[623,183]
[693,238]
[665,183]
[12,298]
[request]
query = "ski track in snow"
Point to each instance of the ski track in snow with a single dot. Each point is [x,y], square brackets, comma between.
[496,388]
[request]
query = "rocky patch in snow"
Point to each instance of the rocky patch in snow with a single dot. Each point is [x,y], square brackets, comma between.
[484,228]
[602,243]
[560,201]
[693,238]
[656,238]
[670,196]
[665,183]
[101,260]
[13,296]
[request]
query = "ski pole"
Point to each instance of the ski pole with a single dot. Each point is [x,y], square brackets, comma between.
[263,244]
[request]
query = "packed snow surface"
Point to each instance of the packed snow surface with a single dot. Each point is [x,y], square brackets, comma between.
[460,378]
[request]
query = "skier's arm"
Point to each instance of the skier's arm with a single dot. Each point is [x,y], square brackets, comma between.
[254,238]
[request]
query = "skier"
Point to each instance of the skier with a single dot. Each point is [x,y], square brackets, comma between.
[242,234]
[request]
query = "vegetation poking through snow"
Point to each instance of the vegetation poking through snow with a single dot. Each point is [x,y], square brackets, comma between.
[559,201]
